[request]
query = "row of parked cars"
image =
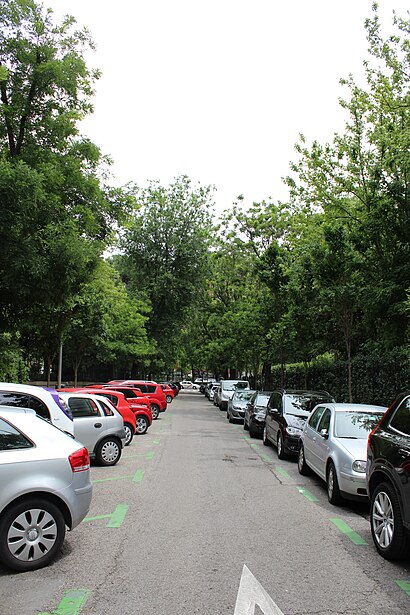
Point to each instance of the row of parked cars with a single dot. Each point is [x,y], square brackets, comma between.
[361,451]
[47,438]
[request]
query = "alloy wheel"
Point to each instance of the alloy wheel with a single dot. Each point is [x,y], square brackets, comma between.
[383,520]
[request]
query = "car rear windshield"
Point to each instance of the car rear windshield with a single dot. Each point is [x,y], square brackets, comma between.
[262,400]
[355,424]
[303,404]
[244,394]
[234,386]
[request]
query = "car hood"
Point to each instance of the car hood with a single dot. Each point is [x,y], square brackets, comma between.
[356,448]
[296,421]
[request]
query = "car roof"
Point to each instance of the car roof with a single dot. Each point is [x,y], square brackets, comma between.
[347,407]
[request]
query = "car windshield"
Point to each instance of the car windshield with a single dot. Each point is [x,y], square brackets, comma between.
[262,400]
[234,386]
[303,404]
[356,424]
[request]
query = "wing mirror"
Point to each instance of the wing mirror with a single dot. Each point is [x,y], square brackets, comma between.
[324,433]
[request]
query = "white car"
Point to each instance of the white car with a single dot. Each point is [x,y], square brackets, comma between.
[44,487]
[188,384]
[98,425]
[46,403]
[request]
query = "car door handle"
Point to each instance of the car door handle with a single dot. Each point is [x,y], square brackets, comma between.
[97,425]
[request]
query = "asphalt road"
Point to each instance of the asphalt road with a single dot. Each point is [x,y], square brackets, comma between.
[172,525]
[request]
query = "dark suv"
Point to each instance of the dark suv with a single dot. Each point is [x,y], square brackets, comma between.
[388,480]
[286,415]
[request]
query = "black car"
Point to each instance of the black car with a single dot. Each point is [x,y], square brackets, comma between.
[255,413]
[286,415]
[388,480]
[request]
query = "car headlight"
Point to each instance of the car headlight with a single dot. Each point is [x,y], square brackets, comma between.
[293,431]
[359,466]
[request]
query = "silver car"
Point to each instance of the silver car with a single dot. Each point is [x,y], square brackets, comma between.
[44,487]
[237,405]
[98,425]
[334,443]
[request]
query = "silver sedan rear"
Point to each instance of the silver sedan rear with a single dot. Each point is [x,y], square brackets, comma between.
[333,444]
[44,487]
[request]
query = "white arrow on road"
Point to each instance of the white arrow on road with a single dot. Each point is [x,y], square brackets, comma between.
[252,594]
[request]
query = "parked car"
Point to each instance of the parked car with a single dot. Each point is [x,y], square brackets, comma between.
[210,390]
[44,487]
[237,405]
[217,394]
[153,391]
[333,444]
[388,480]
[227,389]
[98,425]
[255,413]
[45,402]
[186,384]
[169,392]
[286,415]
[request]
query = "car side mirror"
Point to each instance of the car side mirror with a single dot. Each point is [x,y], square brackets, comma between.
[324,433]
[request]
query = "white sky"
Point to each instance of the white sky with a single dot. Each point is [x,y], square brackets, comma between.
[219,90]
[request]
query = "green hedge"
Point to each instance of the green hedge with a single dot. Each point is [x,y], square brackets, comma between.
[376,379]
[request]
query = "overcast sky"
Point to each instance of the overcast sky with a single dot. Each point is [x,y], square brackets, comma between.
[219,89]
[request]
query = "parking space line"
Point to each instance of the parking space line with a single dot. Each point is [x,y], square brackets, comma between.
[116,518]
[282,472]
[405,586]
[138,476]
[347,530]
[71,604]
[309,496]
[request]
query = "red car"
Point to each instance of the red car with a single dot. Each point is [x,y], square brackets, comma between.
[152,390]
[169,392]
[141,413]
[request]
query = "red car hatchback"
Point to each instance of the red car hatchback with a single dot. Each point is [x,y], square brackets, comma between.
[152,390]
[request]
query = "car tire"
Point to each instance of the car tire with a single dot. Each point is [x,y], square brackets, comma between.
[141,425]
[303,468]
[129,433]
[25,554]
[252,432]
[155,411]
[169,399]
[385,514]
[108,452]
[245,426]
[280,447]
[333,491]
[265,438]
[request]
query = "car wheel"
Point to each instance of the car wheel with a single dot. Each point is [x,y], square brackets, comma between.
[169,399]
[302,465]
[389,535]
[32,532]
[155,411]
[265,439]
[129,433]
[108,452]
[333,491]
[142,425]
[281,452]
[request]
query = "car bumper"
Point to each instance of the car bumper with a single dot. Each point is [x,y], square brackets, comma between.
[291,445]
[78,499]
[257,425]
[353,484]
[237,414]
[223,404]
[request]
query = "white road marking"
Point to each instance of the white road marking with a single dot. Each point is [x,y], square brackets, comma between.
[252,594]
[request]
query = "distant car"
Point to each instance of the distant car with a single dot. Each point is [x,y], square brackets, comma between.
[98,425]
[45,402]
[255,413]
[286,415]
[44,487]
[169,392]
[210,390]
[237,405]
[333,444]
[187,384]
[227,389]
[153,391]
[388,480]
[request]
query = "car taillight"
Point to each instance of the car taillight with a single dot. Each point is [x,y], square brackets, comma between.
[80,460]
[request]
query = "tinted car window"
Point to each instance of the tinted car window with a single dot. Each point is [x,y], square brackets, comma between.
[128,393]
[302,405]
[316,416]
[106,409]
[17,400]
[151,388]
[82,407]
[39,407]
[401,418]
[113,399]
[143,388]
[11,439]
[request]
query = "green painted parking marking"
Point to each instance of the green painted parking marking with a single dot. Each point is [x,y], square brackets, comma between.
[106,480]
[282,472]
[309,496]
[404,585]
[247,438]
[138,476]
[71,604]
[148,455]
[347,530]
[156,441]
[266,457]
[116,518]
